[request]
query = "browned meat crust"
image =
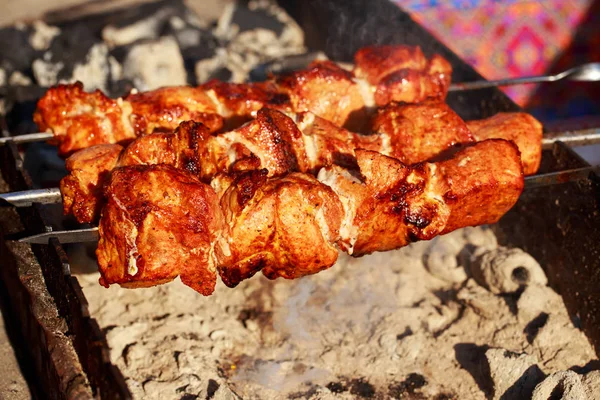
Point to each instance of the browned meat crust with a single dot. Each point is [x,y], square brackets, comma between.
[158,223]
[403,73]
[521,128]
[79,119]
[418,132]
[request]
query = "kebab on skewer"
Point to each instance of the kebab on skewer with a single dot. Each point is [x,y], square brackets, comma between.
[160,222]
[381,74]
[280,144]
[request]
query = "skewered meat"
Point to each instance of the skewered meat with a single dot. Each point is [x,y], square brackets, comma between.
[521,128]
[287,226]
[420,131]
[328,91]
[410,133]
[158,223]
[80,119]
[402,73]
[270,141]
[88,171]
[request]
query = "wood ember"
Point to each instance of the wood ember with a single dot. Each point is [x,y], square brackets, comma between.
[380,326]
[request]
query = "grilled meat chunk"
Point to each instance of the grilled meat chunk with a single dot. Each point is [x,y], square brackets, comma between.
[159,222]
[394,204]
[521,128]
[485,181]
[163,109]
[402,73]
[285,227]
[327,90]
[82,188]
[419,132]
[79,119]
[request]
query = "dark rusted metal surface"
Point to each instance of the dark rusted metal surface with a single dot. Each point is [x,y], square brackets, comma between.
[87,338]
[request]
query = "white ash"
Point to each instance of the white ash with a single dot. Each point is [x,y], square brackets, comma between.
[379,326]
[147,28]
[94,73]
[17,78]
[245,50]
[155,64]
[46,72]
[42,35]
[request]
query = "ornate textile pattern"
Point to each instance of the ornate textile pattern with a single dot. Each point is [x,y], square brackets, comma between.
[503,38]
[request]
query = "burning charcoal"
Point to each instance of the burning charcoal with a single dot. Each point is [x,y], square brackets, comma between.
[154,64]
[17,54]
[562,385]
[17,78]
[505,270]
[514,375]
[69,49]
[441,258]
[46,72]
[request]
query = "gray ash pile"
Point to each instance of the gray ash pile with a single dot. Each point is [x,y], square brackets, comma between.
[455,317]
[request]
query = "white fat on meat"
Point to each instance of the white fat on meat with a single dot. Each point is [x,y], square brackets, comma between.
[348,230]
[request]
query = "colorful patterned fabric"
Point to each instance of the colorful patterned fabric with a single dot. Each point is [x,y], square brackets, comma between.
[512,38]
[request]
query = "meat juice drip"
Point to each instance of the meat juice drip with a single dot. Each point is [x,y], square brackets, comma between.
[421,321]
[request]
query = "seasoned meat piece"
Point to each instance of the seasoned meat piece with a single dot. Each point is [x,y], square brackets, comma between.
[239,102]
[284,226]
[165,108]
[159,222]
[521,128]
[80,120]
[402,73]
[82,188]
[327,90]
[326,144]
[394,204]
[418,132]
[485,181]
[271,141]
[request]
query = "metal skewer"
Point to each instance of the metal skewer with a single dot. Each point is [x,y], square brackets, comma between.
[586,72]
[27,138]
[27,197]
[91,234]
[583,73]
[49,196]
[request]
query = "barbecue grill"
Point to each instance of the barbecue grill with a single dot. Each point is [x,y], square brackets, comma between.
[558,224]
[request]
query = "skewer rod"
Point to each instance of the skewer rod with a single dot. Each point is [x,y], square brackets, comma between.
[581,137]
[27,197]
[91,234]
[28,138]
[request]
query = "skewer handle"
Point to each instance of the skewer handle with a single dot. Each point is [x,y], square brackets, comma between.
[28,138]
